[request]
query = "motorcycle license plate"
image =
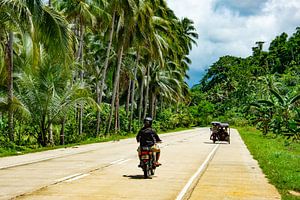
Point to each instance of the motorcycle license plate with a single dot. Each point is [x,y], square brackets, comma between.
[145,157]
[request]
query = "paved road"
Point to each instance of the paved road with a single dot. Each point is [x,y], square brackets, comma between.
[234,174]
[109,171]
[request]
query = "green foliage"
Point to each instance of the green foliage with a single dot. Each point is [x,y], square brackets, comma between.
[60,73]
[278,158]
[53,84]
[167,119]
[282,115]
[3,125]
[262,89]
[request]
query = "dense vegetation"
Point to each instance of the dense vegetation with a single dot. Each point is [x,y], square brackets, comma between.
[262,89]
[77,69]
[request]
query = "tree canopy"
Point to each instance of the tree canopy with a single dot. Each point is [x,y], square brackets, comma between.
[262,89]
[72,69]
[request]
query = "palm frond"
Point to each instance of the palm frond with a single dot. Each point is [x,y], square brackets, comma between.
[55,34]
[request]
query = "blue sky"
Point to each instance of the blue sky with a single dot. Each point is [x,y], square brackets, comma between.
[231,27]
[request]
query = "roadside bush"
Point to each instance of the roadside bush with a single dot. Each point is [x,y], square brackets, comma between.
[164,119]
[157,126]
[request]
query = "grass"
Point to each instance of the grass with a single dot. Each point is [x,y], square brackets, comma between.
[278,158]
[12,149]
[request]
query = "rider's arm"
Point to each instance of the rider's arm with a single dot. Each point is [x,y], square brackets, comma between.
[157,139]
[138,136]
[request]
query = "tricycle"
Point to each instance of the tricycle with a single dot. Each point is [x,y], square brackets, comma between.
[220,132]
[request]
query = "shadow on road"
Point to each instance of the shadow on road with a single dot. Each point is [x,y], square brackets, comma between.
[134,176]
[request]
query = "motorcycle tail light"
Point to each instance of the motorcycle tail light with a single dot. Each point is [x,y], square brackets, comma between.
[145,152]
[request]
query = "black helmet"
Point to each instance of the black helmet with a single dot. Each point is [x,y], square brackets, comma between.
[148,121]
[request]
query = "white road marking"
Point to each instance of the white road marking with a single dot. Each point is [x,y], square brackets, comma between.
[117,161]
[199,171]
[80,175]
[67,177]
[77,177]
[120,161]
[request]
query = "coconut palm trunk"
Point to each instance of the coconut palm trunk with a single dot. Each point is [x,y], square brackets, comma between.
[117,116]
[80,47]
[111,32]
[43,134]
[62,131]
[9,65]
[98,112]
[155,108]
[50,136]
[116,82]
[133,92]
[141,98]
[80,59]
[128,97]
[152,105]
[147,91]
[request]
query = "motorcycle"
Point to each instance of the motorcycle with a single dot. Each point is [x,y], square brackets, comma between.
[147,161]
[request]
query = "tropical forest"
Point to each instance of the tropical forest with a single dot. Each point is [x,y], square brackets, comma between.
[76,72]
[80,70]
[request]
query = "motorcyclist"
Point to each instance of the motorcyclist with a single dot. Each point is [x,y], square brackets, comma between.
[147,137]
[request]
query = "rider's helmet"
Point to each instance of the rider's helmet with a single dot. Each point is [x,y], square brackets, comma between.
[148,121]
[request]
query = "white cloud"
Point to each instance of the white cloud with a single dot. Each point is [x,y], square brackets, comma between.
[228,30]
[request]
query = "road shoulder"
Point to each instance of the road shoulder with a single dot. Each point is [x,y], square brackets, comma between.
[234,174]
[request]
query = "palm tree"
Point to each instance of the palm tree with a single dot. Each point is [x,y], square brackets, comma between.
[9,63]
[157,47]
[10,18]
[188,32]
[168,84]
[30,18]
[124,34]
[94,65]
[81,13]
[47,94]
[116,84]
[113,9]
[143,18]
[142,83]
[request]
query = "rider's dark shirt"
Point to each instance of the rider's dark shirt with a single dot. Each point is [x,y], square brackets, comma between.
[147,137]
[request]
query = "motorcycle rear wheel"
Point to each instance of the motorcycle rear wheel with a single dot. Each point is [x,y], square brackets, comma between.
[146,171]
[152,171]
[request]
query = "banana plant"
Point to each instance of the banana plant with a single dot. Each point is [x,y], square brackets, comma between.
[281,111]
